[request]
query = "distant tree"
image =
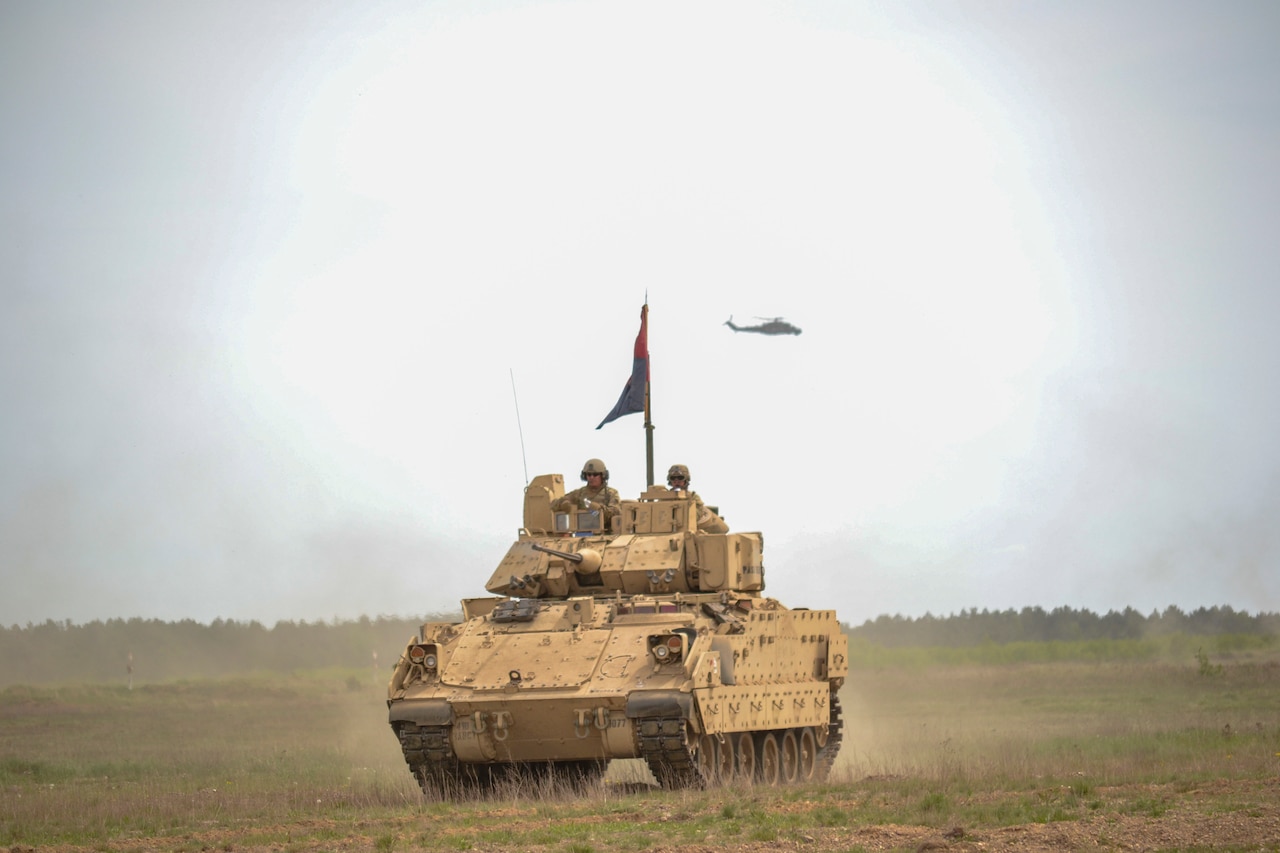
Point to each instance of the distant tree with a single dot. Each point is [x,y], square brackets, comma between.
[61,652]
[1063,624]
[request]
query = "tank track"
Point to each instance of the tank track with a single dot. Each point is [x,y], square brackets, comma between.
[429,754]
[835,734]
[664,745]
[426,746]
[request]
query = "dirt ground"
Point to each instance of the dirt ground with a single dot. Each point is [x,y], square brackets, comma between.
[1224,815]
[1197,821]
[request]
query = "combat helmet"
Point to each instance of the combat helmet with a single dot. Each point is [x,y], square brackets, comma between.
[594,466]
[679,471]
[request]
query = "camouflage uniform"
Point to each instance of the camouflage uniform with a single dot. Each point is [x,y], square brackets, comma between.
[606,496]
[693,496]
[707,520]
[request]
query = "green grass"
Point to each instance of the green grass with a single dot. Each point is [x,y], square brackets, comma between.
[309,763]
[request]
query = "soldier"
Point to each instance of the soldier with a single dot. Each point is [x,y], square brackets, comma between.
[678,480]
[597,494]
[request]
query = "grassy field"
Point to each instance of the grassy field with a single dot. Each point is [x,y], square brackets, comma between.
[1181,755]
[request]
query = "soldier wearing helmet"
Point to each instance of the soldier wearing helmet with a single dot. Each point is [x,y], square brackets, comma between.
[597,494]
[678,480]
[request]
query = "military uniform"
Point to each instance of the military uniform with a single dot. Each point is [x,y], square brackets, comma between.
[606,499]
[707,520]
[693,496]
[605,495]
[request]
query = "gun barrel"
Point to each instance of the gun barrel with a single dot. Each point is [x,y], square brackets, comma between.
[564,555]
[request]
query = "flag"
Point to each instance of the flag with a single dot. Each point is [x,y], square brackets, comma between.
[633,393]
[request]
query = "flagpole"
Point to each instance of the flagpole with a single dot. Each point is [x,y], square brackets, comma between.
[648,420]
[648,438]
[626,404]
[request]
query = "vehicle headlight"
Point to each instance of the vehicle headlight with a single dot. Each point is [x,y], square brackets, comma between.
[424,655]
[666,647]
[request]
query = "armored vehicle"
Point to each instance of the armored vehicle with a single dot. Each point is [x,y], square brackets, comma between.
[640,636]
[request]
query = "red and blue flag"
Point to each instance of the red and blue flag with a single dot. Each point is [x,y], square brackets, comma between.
[637,387]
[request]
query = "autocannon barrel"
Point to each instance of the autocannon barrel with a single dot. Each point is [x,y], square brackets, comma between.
[586,561]
[564,555]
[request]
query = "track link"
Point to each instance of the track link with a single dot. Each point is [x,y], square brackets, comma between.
[429,754]
[664,745]
[835,734]
[426,746]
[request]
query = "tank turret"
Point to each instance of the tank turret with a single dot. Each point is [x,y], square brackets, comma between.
[642,636]
[656,548]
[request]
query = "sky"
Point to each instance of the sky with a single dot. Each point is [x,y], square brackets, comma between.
[295,297]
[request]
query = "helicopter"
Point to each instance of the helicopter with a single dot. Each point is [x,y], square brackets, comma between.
[770,326]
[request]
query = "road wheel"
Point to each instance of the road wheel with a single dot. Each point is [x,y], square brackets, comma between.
[708,759]
[790,757]
[769,766]
[745,753]
[808,753]
[724,763]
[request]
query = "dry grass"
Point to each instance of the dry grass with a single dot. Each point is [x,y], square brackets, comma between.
[1029,722]
[310,763]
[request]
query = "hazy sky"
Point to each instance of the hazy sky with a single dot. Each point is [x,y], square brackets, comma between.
[275,276]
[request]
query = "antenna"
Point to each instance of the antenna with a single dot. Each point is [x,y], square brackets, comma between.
[519,428]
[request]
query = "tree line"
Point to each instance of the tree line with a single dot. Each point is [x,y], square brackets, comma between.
[149,650]
[1062,624]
